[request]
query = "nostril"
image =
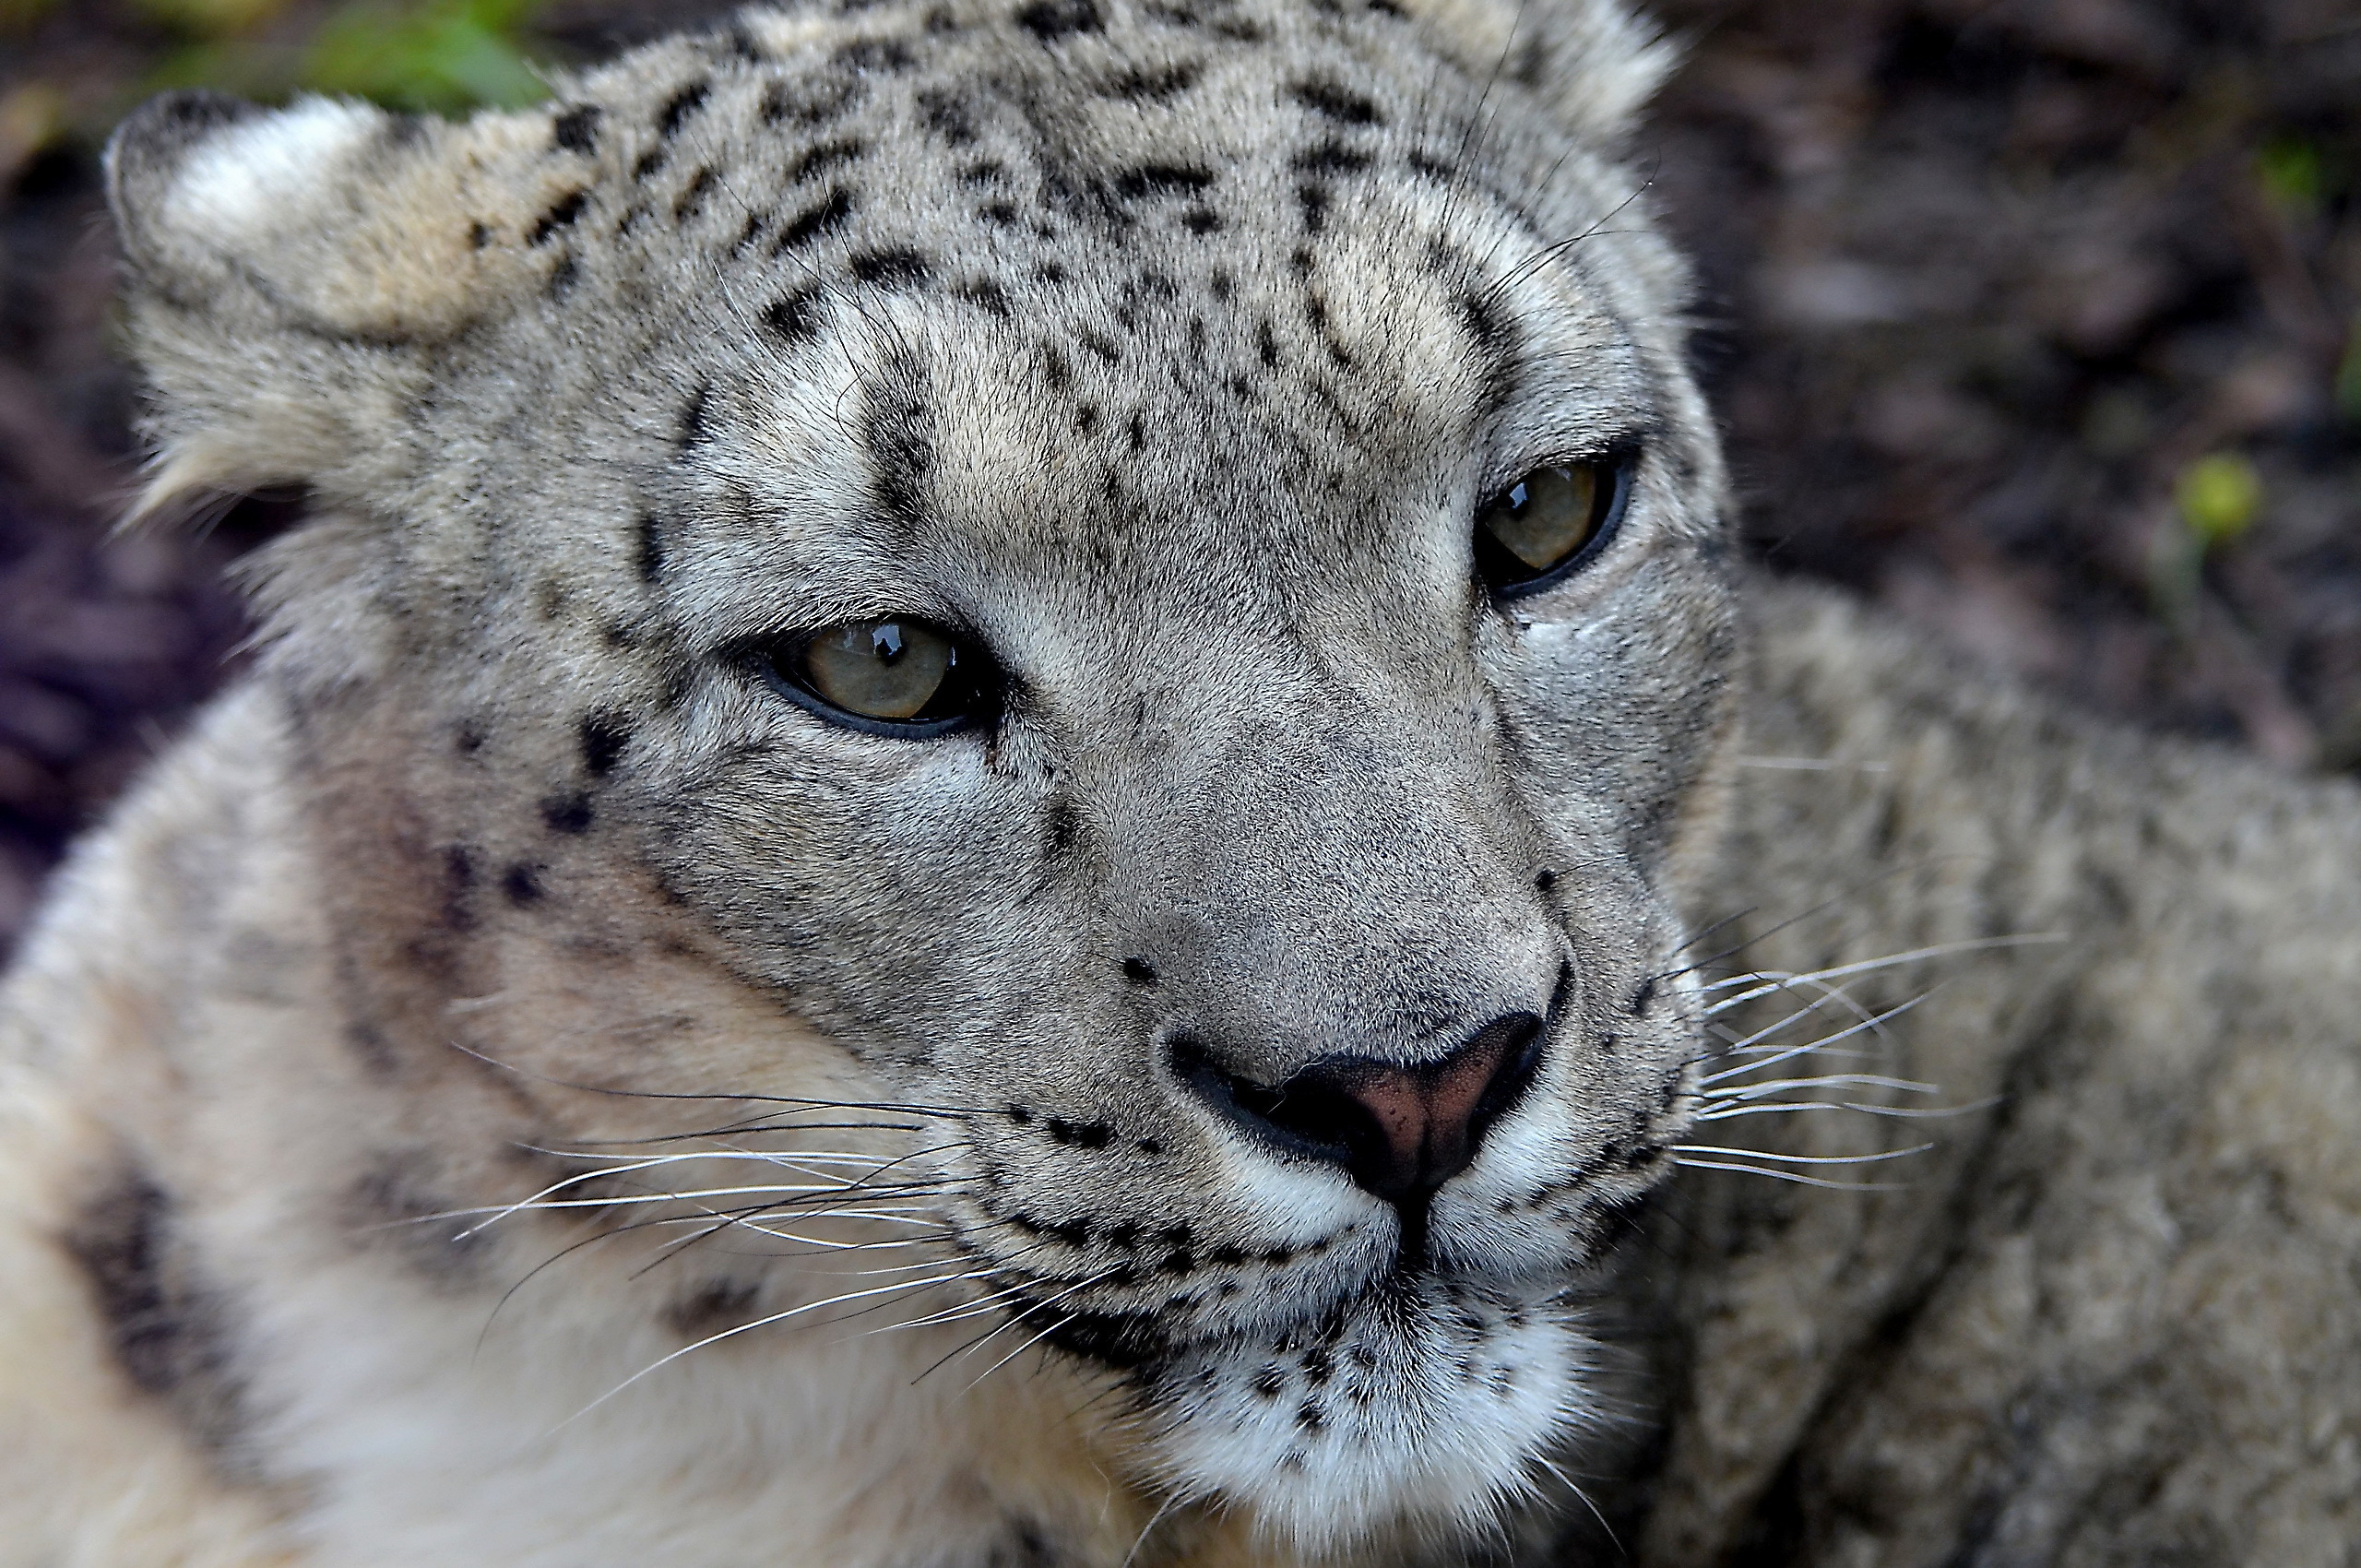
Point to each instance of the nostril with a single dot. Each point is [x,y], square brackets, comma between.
[1306,1114]
[1399,1132]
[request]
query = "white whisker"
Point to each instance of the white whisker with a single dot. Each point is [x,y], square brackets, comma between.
[1788,1053]
[1802,1158]
[1795,1176]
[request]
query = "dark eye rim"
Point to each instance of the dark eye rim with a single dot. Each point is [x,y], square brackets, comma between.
[1499,568]
[767,660]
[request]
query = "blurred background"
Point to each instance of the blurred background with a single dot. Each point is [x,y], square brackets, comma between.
[2031,319]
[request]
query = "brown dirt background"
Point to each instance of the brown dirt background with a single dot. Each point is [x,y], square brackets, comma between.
[1984,281]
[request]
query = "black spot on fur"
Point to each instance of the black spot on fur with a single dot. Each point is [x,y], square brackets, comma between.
[693,416]
[828,155]
[898,427]
[576,130]
[833,212]
[987,296]
[1099,345]
[891,268]
[479,236]
[1330,157]
[1328,99]
[167,1331]
[1169,82]
[469,737]
[692,198]
[649,554]
[1139,971]
[561,214]
[1267,344]
[1061,829]
[1313,200]
[1151,180]
[1545,879]
[1055,368]
[947,117]
[887,55]
[681,106]
[1081,1134]
[1201,221]
[809,103]
[568,814]
[985,171]
[748,234]
[521,884]
[1050,20]
[1223,285]
[604,737]
[1019,1115]
[998,212]
[797,316]
[562,277]
[652,162]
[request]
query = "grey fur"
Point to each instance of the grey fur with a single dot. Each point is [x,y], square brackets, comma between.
[1164,353]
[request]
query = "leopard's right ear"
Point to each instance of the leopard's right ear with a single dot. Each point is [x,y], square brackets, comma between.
[287,270]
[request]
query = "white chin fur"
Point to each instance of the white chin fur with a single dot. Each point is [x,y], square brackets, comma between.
[1425,1411]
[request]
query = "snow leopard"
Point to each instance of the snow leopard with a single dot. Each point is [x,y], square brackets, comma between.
[1009,801]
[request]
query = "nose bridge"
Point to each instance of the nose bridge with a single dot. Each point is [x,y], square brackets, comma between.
[1337,878]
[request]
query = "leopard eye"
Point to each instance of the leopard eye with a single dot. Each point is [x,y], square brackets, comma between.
[1553,520]
[898,677]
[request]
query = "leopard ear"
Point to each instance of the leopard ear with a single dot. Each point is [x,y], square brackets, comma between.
[286,270]
[1592,62]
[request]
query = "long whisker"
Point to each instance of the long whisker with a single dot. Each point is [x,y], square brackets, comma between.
[749,1327]
[1794,1176]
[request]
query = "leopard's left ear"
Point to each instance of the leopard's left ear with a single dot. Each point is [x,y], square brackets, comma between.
[1593,62]
[287,269]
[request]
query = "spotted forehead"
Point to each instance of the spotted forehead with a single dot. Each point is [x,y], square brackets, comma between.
[1004,158]
[1097,261]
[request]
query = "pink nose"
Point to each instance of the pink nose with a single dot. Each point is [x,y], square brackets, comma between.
[1427,1120]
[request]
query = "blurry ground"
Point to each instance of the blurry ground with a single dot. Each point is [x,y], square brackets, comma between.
[2030,318]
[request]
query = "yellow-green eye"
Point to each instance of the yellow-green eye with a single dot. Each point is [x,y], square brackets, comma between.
[1545,524]
[896,677]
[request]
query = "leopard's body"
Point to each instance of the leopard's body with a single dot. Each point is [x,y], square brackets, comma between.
[523,1085]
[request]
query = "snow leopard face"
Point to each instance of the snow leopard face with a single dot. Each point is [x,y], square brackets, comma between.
[1153,574]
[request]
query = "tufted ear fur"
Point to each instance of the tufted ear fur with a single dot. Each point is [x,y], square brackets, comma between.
[287,269]
[1590,61]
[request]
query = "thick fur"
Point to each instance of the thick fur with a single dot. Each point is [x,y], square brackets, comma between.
[516,1089]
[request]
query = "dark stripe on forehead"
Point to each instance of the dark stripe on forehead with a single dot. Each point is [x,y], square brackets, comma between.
[898,435]
[1491,330]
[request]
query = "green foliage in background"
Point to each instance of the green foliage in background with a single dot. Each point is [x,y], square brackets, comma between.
[2216,500]
[439,56]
